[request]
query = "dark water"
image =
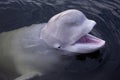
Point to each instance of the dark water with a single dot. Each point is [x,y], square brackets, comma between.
[100,65]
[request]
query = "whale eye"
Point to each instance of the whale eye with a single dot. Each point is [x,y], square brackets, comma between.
[59,46]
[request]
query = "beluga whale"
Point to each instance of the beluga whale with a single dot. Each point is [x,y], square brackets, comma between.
[37,49]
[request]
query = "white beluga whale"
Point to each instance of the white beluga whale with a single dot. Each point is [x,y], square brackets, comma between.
[37,49]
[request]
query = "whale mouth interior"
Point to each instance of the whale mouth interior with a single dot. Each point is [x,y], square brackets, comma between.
[88,39]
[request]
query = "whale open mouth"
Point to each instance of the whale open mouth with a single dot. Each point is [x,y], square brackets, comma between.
[86,44]
[89,39]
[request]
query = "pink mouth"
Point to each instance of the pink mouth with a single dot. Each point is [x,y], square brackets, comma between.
[89,39]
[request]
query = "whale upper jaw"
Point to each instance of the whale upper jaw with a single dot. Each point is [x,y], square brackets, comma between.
[69,31]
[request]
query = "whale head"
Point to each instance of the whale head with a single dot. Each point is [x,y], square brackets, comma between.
[69,31]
